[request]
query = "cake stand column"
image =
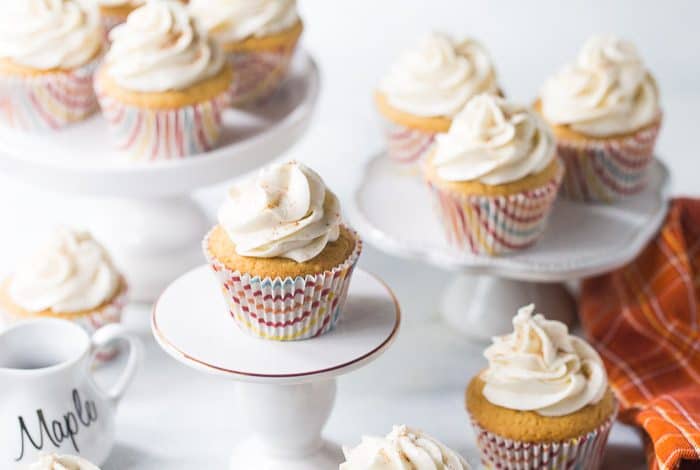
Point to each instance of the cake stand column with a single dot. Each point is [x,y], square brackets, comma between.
[475,304]
[285,423]
[153,240]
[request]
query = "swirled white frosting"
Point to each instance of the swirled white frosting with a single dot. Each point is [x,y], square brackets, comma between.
[70,272]
[62,462]
[541,367]
[608,90]
[495,142]
[161,48]
[439,76]
[403,449]
[50,34]
[234,20]
[286,211]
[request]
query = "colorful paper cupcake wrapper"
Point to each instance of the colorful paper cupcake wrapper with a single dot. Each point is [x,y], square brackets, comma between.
[257,75]
[150,134]
[606,171]
[493,225]
[48,101]
[93,321]
[286,309]
[407,146]
[581,453]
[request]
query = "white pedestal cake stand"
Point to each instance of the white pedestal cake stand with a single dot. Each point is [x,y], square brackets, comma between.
[286,390]
[393,210]
[143,210]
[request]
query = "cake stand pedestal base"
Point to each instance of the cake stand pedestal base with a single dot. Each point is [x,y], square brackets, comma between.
[154,240]
[475,304]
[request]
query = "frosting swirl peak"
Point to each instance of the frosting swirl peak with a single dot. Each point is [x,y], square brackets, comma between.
[160,48]
[70,272]
[542,368]
[50,34]
[439,76]
[62,462]
[403,449]
[608,91]
[493,141]
[285,211]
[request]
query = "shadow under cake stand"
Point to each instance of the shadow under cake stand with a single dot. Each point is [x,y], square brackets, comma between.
[393,210]
[286,390]
[143,211]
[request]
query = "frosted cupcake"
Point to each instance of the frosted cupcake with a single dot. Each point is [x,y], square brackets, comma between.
[494,176]
[49,50]
[259,37]
[282,255]
[543,401]
[426,88]
[163,85]
[62,462]
[403,448]
[70,276]
[115,12]
[605,113]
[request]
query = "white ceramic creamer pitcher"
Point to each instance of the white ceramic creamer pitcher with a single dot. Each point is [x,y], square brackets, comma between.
[49,402]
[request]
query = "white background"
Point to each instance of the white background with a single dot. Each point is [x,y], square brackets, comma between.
[181,420]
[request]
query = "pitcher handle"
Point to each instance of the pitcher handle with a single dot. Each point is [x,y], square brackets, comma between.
[110,335]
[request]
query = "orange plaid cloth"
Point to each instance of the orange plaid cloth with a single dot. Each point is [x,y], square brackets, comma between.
[644,320]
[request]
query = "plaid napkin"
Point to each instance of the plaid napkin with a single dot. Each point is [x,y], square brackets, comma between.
[644,320]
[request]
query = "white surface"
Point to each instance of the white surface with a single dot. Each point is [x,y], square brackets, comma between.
[211,342]
[605,236]
[421,379]
[80,159]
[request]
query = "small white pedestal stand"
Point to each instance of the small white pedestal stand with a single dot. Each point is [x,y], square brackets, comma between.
[143,211]
[394,211]
[286,390]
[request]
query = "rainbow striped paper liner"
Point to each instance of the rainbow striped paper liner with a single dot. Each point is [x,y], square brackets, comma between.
[257,75]
[607,170]
[286,309]
[407,146]
[581,453]
[150,134]
[494,225]
[94,320]
[48,101]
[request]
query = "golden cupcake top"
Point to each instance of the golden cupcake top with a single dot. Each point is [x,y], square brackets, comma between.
[50,34]
[607,91]
[438,76]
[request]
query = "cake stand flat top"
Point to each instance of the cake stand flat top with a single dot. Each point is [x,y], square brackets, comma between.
[80,158]
[191,322]
[393,210]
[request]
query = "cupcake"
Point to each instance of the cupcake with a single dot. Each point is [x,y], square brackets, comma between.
[544,400]
[62,462]
[494,176]
[163,85]
[403,449]
[605,113]
[426,88]
[114,12]
[49,51]
[282,255]
[70,276]
[259,38]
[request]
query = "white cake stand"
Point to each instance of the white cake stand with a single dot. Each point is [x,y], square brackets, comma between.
[393,210]
[286,390]
[143,210]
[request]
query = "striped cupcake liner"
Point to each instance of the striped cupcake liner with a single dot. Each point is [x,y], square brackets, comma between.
[48,101]
[607,170]
[258,74]
[92,321]
[581,453]
[494,225]
[286,309]
[150,134]
[407,146]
